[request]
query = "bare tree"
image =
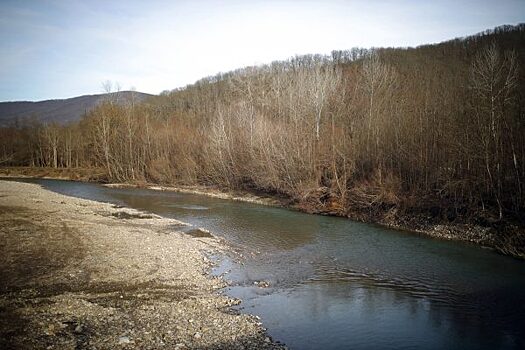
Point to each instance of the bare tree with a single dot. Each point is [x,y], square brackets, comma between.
[51,137]
[321,81]
[493,80]
[376,79]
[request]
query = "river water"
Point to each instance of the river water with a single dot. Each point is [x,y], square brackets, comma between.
[339,284]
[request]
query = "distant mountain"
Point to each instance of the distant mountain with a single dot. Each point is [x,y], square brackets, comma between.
[60,111]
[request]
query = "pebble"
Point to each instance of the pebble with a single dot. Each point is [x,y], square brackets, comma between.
[124,340]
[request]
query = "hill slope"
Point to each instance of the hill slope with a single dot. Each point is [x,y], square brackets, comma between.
[61,111]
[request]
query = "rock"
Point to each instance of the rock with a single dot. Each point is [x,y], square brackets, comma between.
[50,330]
[262,284]
[124,340]
[197,335]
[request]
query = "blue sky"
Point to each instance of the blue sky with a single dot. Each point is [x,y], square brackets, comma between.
[59,49]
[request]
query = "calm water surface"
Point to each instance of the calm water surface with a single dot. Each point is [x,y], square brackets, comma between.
[338,284]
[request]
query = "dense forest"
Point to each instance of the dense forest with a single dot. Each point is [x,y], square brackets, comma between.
[369,133]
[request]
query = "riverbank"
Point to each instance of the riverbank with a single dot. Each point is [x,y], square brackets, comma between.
[505,238]
[239,196]
[99,176]
[81,274]
[75,174]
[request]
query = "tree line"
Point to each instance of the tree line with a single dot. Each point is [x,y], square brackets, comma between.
[363,132]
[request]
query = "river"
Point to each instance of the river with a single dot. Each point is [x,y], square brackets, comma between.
[339,284]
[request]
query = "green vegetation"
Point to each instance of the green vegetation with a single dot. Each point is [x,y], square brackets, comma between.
[435,131]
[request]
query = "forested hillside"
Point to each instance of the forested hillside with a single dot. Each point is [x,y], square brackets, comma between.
[60,111]
[436,131]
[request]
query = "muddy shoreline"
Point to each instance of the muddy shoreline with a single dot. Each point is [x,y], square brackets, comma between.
[79,274]
[508,241]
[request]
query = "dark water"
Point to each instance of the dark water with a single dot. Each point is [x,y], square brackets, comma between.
[338,284]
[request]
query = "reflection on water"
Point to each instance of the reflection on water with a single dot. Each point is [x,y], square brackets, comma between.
[188,207]
[337,284]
